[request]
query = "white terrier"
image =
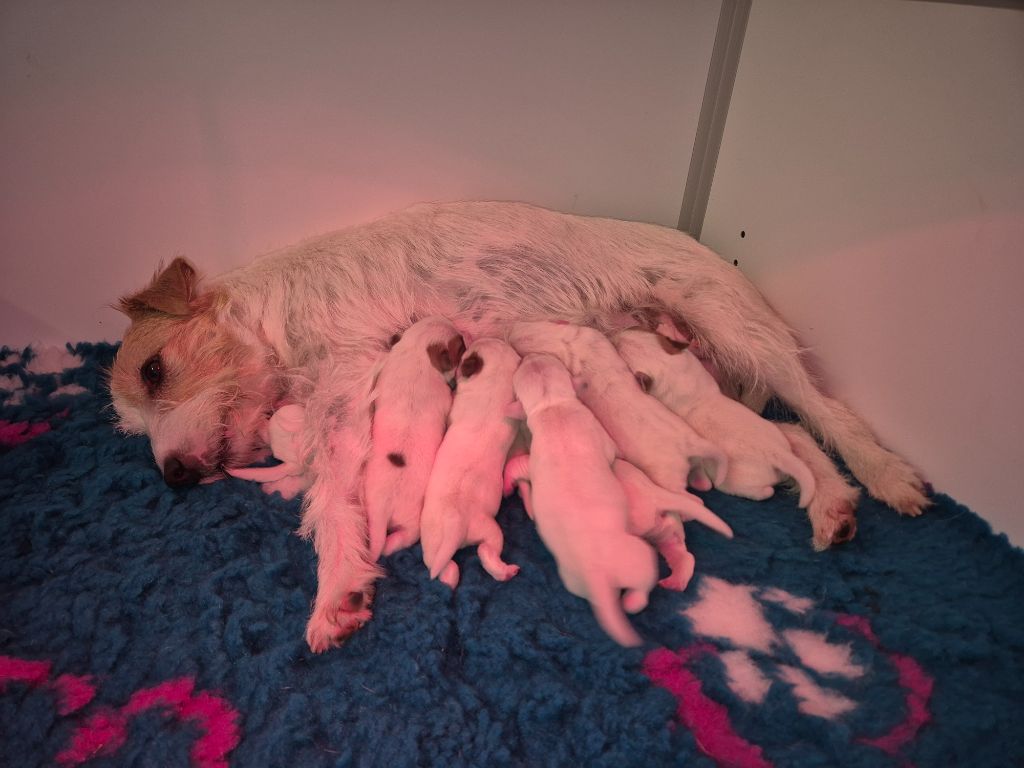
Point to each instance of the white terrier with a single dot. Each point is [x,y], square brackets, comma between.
[464,491]
[411,401]
[203,366]
[645,432]
[577,503]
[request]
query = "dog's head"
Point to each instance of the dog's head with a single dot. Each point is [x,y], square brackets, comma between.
[542,380]
[652,357]
[201,394]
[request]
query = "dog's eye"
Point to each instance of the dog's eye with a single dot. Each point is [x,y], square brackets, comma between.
[152,372]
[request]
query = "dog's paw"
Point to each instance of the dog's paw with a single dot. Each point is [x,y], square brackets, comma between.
[329,629]
[333,622]
[898,485]
[833,521]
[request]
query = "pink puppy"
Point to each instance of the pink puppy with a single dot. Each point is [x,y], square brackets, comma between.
[759,454]
[411,400]
[464,491]
[645,432]
[578,505]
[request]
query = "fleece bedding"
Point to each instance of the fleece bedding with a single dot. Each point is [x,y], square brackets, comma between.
[146,626]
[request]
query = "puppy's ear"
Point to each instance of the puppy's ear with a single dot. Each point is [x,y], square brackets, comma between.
[672,346]
[440,358]
[645,381]
[471,366]
[171,292]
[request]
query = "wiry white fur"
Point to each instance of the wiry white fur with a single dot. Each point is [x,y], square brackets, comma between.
[759,455]
[645,432]
[464,491]
[578,505]
[317,317]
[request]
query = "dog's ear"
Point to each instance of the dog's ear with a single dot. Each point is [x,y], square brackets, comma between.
[645,381]
[171,292]
[672,346]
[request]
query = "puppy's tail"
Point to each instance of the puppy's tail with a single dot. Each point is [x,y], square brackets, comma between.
[788,464]
[516,468]
[689,507]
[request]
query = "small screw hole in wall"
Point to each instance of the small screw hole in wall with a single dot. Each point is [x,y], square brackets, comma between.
[735,262]
[743,233]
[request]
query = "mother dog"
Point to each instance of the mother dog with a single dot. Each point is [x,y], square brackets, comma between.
[202,369]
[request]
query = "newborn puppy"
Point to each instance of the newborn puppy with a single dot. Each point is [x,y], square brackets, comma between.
[654,514]
[657,516]
[411,399]
[578,505]
[646,433]
[759,454]
[464,491]
[284,435]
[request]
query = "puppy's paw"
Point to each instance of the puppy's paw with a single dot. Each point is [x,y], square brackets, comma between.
[682,572]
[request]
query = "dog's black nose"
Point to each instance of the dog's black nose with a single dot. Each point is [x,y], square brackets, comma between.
[177,474]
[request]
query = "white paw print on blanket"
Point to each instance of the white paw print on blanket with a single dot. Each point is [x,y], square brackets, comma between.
[734,612]
[43,361]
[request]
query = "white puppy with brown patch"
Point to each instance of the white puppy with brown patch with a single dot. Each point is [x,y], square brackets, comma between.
[578,504]
[203,365]
[759,454]
[411,400]
[464,491]
[645,432]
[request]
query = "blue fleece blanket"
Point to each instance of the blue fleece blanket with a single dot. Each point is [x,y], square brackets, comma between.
[145,626]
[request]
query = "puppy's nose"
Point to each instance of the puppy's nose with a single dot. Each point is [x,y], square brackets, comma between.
[178,474]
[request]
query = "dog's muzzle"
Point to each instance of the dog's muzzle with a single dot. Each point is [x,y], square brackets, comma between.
[178,474]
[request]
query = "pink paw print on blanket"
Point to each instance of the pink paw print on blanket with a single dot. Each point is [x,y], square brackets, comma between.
[753,663]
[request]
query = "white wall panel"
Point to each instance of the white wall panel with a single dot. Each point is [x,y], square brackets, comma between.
[134,131]
[873,158]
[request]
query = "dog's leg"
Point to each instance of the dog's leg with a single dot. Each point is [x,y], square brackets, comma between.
[832,508]
[338,437]
[752,344]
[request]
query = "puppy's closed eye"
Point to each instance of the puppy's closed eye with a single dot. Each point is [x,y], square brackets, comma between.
[152,373]
[645,381]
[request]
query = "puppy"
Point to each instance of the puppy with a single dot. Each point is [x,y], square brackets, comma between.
[464,491]
[203,366]
[759,454]
[411,400]
[646,433]
[654,514]
[284,431]
[578,505]
[657,516]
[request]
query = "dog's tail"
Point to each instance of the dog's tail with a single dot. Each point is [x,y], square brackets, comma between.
[516,468]
[788,464]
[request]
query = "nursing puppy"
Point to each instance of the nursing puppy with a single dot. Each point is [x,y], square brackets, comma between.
[204,365]
[578,505]
[464,491]
[289,478]
[646,433]
[759,454]
[411,400]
